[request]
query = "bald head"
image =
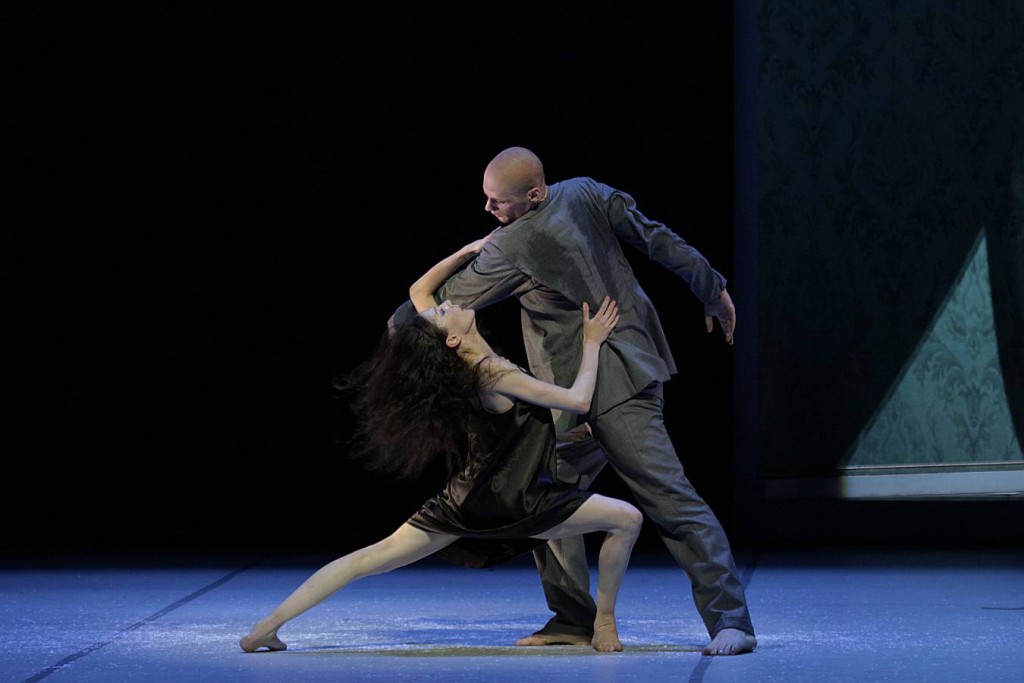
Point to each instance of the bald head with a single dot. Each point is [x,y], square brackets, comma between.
[516,169]
[514,183]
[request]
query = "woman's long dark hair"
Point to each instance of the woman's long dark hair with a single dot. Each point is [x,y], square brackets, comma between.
[412,399]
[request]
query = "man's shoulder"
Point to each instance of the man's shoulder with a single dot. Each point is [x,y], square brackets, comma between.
[578,181]
[584,186]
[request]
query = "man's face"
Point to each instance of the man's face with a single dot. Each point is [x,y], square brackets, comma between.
[504,203]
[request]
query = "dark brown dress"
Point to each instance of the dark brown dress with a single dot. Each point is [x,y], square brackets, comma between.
[506,494]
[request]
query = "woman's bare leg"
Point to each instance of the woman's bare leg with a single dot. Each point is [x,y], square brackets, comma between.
[405,546]
[622,521]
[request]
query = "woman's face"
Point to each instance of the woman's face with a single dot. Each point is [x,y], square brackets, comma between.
[454,320]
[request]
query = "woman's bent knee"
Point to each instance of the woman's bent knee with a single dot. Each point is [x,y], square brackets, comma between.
[632,519]
[626,518]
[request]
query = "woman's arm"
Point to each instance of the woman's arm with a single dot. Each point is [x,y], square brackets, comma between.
[421,293]
[574,399]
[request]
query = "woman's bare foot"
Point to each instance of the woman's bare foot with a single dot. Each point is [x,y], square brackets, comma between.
[730,641]
[553,639]
[257,639]
[606,637]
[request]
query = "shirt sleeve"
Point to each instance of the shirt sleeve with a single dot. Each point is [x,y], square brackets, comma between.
[487,279]
[661,244]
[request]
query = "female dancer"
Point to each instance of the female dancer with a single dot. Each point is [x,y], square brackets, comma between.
[435,387]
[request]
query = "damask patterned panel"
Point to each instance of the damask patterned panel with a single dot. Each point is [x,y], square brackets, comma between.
[949,405]
[887,132]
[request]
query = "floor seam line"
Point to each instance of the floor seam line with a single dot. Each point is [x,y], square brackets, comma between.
[72,658]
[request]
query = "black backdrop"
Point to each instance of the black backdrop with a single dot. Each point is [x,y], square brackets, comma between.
[216,207]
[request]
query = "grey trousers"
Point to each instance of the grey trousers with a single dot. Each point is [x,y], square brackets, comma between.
[632,438]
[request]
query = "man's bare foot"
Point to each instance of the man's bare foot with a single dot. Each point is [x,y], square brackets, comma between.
[730,641]
[255,641]
[606,638]
[553,639]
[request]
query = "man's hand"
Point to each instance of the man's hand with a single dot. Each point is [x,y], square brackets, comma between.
[722,309]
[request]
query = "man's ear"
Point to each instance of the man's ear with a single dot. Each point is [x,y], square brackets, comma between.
[453,341]
[534,194]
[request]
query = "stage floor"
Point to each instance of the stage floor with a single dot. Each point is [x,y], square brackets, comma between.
[822,615]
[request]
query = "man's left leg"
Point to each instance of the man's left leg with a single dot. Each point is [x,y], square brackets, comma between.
[637,445]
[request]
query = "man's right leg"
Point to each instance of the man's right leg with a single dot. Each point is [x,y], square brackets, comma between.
[565,578]
[622,523]
[562,563]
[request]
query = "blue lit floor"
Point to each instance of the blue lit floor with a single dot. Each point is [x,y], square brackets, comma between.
[821,615]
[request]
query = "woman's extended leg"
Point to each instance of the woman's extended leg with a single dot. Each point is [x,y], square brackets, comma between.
[622,521]
[405,546]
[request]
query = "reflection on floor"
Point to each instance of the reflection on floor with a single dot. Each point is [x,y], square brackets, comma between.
[835,614]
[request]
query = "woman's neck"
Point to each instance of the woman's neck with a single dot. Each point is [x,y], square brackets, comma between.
[473,351]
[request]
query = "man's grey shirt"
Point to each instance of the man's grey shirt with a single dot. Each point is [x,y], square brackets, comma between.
[565,251]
